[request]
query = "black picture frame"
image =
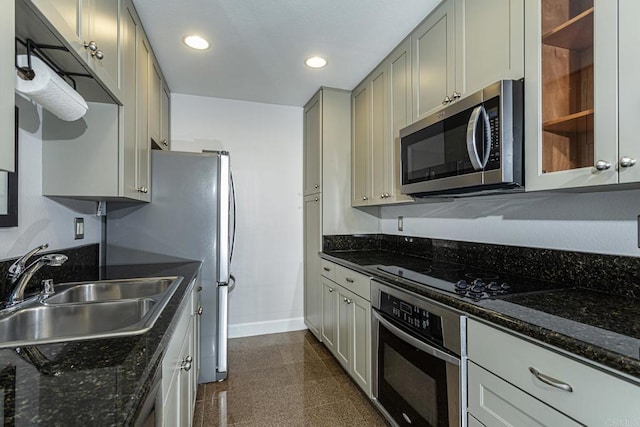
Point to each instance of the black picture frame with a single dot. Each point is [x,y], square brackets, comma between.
[10,219]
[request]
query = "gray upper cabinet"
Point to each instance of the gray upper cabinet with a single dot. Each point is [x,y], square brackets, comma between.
[91,29]
[629,64]
[155,90]
[360,137]
[7,87]
[571,107]
[463,46]
[433,57]
[312,147]
[106,154]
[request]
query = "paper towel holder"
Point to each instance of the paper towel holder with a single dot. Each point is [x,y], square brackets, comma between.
[33,48]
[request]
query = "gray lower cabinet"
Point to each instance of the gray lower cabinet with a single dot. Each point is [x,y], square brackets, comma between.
[7,88]
[180,367]
[346,321]
[537,385]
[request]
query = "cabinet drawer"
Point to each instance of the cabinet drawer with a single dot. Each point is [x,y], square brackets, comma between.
[357,283]
[596,398]
[495,402]
[328,269]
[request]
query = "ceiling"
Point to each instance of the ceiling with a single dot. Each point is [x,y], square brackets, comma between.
[258,47]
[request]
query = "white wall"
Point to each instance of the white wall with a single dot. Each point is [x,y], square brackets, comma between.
[40,220]
[265,142]
[604,222]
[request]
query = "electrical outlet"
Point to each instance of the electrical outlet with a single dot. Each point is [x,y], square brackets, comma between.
[400,223]
[78,228]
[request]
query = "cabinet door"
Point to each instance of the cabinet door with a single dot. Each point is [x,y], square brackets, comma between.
[379,126]
[361,110]
[104,20]
[343,339]
[313,145]
[155,107]
[495,402]
[329,313]
[7,88]
[143,144]
[165,118]
[312,245]
[129,35]
[433,60]
[185,396]
[570,105]
[489,42]
[360,328]
[629,48]
[399,79]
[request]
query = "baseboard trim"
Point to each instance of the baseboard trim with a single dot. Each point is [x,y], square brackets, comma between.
[269,327]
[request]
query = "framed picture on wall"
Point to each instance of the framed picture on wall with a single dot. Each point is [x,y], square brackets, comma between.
[9,190]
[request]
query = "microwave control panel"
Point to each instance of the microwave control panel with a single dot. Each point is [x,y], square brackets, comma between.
[417,319]
[494,124]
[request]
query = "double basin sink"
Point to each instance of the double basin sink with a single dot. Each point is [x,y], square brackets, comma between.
[87,310]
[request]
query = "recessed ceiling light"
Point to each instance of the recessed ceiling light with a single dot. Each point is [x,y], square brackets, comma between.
[196,42]
[315,62]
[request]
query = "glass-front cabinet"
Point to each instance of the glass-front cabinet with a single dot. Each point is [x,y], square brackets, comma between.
[571,108]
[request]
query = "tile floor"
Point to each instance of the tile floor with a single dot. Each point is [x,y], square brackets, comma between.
[287,379]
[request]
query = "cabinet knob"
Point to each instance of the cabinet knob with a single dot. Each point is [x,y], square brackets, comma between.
[446,100]
[330,289]
[627,162]
[92,46]
[186,366]
[200,311]
[145,190]
[602,165]
[365,198]
[326,268]
[165,143]
[316,186]
[98,54]
[348,301]
[456,95]
[188,359]
[345,300]
[387,195]
[349,279]
[317,200]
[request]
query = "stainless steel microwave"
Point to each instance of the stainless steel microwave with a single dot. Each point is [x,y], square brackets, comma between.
[473,145]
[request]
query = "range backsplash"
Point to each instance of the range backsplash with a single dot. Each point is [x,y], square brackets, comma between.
[607,273]
[83,264]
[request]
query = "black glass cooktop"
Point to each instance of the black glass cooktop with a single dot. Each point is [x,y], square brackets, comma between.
[466,281]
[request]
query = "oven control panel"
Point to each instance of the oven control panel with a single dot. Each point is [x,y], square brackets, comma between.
[417,319]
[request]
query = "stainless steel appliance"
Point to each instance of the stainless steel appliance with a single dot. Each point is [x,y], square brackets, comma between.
[476,144]
[419,353]
[191,216]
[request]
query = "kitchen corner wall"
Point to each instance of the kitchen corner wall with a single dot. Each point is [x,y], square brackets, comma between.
[265,143]
[604,222]
[41,220]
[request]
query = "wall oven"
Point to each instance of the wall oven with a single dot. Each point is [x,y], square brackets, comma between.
[472,145]
[419,359]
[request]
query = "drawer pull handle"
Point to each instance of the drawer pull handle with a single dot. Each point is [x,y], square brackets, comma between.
[349,279]
[326,268]
[550,381]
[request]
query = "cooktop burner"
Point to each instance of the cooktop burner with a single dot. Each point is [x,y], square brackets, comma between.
[462,280]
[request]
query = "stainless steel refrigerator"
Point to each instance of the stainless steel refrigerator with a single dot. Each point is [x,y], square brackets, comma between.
[191,216]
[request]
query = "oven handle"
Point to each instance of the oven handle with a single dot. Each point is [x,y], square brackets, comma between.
[472,148]
[415,342]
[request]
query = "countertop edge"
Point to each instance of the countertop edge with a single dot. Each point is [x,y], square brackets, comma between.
[598,357]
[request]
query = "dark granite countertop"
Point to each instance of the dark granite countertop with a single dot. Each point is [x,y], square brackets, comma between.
[601,327]
[93,382]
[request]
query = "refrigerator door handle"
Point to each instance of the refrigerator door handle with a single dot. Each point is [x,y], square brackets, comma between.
[223,219]
[223,327]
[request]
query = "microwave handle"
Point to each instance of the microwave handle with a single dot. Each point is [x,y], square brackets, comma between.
[479,113]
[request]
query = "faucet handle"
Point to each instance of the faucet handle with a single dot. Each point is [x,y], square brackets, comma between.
[18,267]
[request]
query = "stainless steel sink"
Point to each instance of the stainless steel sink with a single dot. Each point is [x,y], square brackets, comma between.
[109,290]
[86,310]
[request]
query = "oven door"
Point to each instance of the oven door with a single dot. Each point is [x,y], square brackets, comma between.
[414,383]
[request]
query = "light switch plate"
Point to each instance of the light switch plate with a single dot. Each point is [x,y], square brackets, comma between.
[78,228]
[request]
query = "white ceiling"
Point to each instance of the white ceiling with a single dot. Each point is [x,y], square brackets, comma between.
[259,46]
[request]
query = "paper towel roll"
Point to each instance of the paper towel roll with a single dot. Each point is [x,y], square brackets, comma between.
[51,91]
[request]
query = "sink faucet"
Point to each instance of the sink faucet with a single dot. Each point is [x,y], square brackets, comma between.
[20,273]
